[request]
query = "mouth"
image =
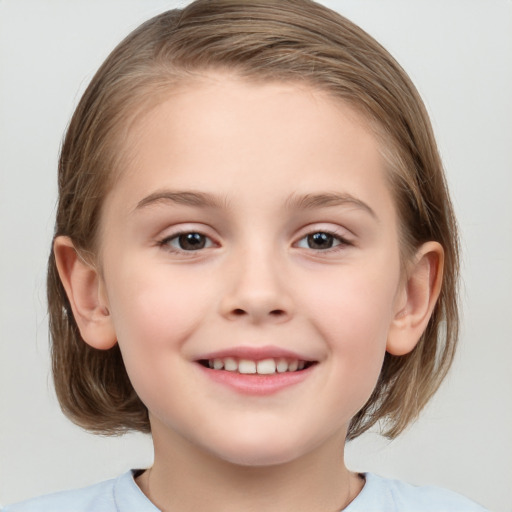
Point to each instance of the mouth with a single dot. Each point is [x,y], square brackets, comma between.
[267,366]
[257,371]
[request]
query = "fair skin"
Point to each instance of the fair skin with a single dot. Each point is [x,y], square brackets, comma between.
[274,267]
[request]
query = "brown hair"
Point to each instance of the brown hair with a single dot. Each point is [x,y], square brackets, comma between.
[293,40]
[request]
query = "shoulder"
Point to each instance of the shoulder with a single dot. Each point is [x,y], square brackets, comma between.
[118,495]
[96,497]
[387,495]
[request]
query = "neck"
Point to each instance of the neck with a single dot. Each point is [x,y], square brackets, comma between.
[185,478]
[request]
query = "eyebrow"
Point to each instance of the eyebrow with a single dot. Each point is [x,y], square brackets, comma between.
[187,198]
[294,202]
[325,200]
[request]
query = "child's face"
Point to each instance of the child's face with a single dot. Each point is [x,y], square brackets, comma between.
[292,252]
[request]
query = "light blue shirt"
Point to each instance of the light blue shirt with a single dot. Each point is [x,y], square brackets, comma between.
[123,495]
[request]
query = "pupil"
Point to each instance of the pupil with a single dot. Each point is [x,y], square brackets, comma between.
[192,241]
[320,241]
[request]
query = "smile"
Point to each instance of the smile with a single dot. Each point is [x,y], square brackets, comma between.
[268,366]
[256,371]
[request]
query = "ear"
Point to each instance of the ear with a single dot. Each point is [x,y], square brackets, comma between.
[416,299]
[85,290]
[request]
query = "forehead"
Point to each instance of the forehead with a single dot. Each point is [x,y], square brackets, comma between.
[226,135]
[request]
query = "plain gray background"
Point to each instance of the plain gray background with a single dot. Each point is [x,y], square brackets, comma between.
[458,52]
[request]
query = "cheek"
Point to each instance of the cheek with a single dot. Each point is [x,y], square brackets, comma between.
[353,314]
[153,309]
[153,315]
[354,306]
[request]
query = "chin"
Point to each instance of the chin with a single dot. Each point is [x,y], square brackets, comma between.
[261,453]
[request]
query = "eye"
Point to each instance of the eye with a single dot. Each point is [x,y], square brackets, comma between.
[321,241]
[190,241]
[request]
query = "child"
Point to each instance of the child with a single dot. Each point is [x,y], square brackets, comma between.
[255,260]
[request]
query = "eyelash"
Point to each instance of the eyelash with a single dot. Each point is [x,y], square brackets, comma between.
[166,242]
[342,242]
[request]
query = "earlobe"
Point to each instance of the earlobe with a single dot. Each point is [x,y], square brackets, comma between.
[416,299]
[84,288]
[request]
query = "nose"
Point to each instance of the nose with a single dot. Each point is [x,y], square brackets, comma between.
[257,290]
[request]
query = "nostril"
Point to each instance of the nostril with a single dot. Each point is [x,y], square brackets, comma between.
[238,312]
[277,312]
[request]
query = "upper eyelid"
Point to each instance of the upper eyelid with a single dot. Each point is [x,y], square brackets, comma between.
[338,231]
[184,228]
[172,236]
[342,239]
[324,227]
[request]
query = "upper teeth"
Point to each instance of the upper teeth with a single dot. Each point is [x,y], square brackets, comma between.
[261,367]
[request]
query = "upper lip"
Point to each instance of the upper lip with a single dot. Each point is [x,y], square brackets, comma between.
[255,353]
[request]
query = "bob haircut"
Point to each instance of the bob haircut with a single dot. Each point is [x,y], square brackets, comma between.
[297,41]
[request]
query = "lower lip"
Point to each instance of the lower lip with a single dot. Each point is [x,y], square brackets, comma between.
[254,384]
